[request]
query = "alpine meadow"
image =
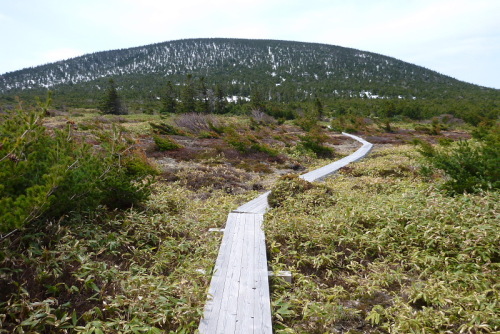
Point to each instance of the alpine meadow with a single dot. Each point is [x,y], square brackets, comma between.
[118,170]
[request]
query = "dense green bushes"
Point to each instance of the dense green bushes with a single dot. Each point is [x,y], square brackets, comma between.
[470,165]
[49,174]
[247,143]
[287,186]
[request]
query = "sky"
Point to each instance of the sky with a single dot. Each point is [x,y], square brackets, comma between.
[458,38]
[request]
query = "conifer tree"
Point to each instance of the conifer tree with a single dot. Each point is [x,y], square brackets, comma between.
[188,95]
[257,100]
[169,99]
[47,175]
[111,103]
[220,104]
[319,108]
[202,102]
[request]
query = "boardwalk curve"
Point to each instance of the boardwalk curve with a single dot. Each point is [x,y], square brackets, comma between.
[239,300]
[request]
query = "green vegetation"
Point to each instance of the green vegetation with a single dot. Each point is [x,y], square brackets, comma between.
[378,248]
[471,166]
[291,187]
[137,272]
[111,103]
[314,142]
[104,214]
[49,174]
[247,143]
[384,251]
[83,249]
[166,143]
[200,75]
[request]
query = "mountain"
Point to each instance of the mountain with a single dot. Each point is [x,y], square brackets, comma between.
[282,71]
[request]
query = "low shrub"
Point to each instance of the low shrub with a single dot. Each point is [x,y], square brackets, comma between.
[306,123]
[290,189]
[254,166]
[133,272]
[379,166]
[223,178]
[471,165]
[166,129]
[46,175]
[402,258]
[258,118]
[165,143]
[349,124]
[247,143]
[434,128]
[287,186]
[197,123]
[313,141]
[385,125]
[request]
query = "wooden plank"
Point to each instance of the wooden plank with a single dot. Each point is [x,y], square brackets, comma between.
[246,296]
[329,169]
[228,311]
[262,309]
[257,205]
[214,303]
[239,300]
[239,292]
[254,305]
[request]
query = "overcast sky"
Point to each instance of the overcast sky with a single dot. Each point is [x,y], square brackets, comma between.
[459,38]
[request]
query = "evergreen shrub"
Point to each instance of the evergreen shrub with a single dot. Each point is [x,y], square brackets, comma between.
[348,123]
[196,123]
[166,143]
[50,174]
[166,129]
[314,141]
[471,165]
[247,143]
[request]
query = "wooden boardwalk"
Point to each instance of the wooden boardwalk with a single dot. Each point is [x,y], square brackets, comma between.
[240,285]
[320,173]
[239,300]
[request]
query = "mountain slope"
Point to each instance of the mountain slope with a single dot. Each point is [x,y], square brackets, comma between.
[284,70]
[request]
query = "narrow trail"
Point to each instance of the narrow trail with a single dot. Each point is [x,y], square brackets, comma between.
[239,300]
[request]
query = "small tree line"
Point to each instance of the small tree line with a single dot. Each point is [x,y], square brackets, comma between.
[192,96]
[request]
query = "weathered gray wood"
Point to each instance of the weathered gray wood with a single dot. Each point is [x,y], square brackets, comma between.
[239,299]
[246,294]
[219,278]
[324,171]
[262,309]
[257,205]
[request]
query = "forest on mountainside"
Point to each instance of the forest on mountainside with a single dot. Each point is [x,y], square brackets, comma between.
[280,71]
